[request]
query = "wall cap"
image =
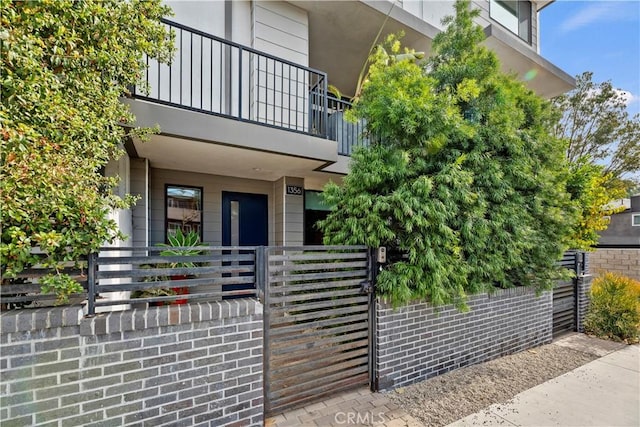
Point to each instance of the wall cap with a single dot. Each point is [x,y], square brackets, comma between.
[498,293]
[129,320]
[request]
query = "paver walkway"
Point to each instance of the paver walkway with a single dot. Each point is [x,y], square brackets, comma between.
[357,408]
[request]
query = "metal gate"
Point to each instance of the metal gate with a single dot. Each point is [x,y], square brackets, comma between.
[564,305]
[317,322]
[565,294]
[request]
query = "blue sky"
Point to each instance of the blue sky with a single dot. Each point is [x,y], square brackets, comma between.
[600,36]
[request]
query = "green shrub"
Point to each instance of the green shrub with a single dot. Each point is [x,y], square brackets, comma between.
[615,308]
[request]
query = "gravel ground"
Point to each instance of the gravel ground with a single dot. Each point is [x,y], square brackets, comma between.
[449,397]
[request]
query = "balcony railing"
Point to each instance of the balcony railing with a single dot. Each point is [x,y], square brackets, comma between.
[215,76]
[347,134]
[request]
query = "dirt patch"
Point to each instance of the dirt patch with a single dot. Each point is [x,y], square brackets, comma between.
[447,398]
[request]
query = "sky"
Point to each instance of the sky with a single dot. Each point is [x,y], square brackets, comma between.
[601,36]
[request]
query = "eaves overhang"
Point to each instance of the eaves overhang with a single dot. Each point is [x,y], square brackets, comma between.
[540,75]
[541,4]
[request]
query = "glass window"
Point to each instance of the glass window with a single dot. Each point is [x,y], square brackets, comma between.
[183,209]
[635,220]
[513,15]
[314,210]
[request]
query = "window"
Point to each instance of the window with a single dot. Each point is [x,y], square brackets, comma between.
[513,15]
[314,211]
[183,209]
[635,220]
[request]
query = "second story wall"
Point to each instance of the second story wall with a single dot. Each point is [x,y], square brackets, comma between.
[524,26]
[280,93]
[207,16]
[429,11]
[282,30]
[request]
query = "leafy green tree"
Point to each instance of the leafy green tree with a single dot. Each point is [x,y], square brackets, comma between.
[592,191]
[467,180]
[596,125]
[603,147]
[65,64]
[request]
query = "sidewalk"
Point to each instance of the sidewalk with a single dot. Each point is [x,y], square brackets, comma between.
[605,392]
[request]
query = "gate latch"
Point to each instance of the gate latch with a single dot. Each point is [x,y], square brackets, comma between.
[365,287]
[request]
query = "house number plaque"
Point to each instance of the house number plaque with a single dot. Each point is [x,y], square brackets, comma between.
[294,190]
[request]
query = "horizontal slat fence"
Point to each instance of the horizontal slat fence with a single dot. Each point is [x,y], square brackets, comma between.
[316,323]
[24,291]
[564,293]
[210,273]
[143,275]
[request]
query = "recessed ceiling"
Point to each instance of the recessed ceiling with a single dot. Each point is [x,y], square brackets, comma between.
[166,152]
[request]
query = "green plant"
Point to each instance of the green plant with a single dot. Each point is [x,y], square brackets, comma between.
[595,123]
[62,285]
[593,190]
[179,239]
[153,292]
[65,66]
[467,180]
[615,308]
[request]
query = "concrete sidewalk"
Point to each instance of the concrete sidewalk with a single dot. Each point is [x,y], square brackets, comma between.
[605,392]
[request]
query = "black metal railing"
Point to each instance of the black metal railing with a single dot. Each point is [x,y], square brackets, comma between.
[347,134]
[578,261]
[24,290]
[211,75]
[119,276]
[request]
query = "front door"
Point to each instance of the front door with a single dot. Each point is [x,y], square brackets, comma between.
[244,219]
[244,223]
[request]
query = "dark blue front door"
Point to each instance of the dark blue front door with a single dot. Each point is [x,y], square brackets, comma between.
[244,223]
[244,219]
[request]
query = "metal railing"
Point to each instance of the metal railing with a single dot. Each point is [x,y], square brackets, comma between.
[211,75]
[24,290]
[211,274]
[119,276]
[347,134]
[576,261]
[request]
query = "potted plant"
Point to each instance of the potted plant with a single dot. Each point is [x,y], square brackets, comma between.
[190,241]
[153,292]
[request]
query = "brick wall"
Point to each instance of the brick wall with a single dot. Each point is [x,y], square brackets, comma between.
[417,342]
[197,364]
[621,261]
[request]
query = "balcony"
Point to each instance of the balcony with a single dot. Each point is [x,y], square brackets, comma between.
[217,77]
[214,76]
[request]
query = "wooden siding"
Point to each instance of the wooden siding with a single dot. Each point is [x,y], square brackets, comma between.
[213,186]
[282,30]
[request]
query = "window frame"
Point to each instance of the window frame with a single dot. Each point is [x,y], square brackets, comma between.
[633,220]
[166,208]
[521,10]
